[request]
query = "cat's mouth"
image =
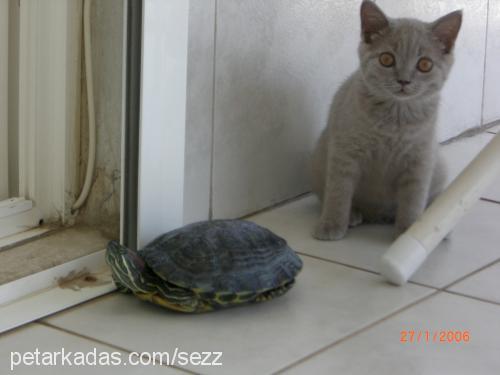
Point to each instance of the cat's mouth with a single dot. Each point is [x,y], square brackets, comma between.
[403,93]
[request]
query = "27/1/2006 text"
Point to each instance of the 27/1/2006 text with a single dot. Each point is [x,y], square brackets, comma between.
[449,336]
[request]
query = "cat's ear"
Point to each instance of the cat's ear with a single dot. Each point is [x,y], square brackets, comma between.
[446,29]
[373,20]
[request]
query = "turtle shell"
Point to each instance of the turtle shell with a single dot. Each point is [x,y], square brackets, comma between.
[223,256]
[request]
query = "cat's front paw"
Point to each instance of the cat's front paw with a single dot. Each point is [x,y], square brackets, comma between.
[327,231]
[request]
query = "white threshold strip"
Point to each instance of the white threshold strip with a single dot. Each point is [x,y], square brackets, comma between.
[17,215]
[18,238]
[55,289]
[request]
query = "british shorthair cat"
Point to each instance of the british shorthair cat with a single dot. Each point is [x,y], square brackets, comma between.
[377,160]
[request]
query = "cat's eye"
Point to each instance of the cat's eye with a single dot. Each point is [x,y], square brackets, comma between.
[387,59]
[425,65]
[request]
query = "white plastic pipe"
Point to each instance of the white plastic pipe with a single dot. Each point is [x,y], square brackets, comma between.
[411,249]
[90,105]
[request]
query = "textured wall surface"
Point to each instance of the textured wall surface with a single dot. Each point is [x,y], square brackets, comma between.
[277,65]
[103,205]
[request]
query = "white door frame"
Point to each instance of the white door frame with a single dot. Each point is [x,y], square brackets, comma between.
[163,99]
[163,117]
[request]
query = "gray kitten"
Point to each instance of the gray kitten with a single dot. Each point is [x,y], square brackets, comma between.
[377,160]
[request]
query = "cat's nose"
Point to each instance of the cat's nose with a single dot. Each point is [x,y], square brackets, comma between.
[403,82]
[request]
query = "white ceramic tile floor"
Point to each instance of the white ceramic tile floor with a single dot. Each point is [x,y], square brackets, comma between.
[329,302]
[49,340]
[484,284]
[379,350]
[339,318]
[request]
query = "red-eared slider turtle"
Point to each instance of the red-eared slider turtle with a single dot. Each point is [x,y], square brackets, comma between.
[207,266]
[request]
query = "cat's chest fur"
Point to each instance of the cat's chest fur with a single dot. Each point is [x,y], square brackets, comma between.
[392,133]
[391,136]
[383,157]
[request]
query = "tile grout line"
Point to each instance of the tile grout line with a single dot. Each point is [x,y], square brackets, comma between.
[338,263]
[69,308]
[468,296]
[275,206]
[361,269]
[355,333]
[460,279]
[423,285]
[101,342]
[445,288]
[490,200]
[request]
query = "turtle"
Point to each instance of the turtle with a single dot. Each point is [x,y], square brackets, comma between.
[206,266]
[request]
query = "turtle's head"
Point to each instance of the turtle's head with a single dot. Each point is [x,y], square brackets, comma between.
[115,252]
[127,266]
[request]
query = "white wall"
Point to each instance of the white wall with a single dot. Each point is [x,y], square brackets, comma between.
[4,59]
[277,65]
[201,53]
[492,74]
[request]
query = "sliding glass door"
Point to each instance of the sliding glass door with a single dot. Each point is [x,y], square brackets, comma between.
[153,106]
